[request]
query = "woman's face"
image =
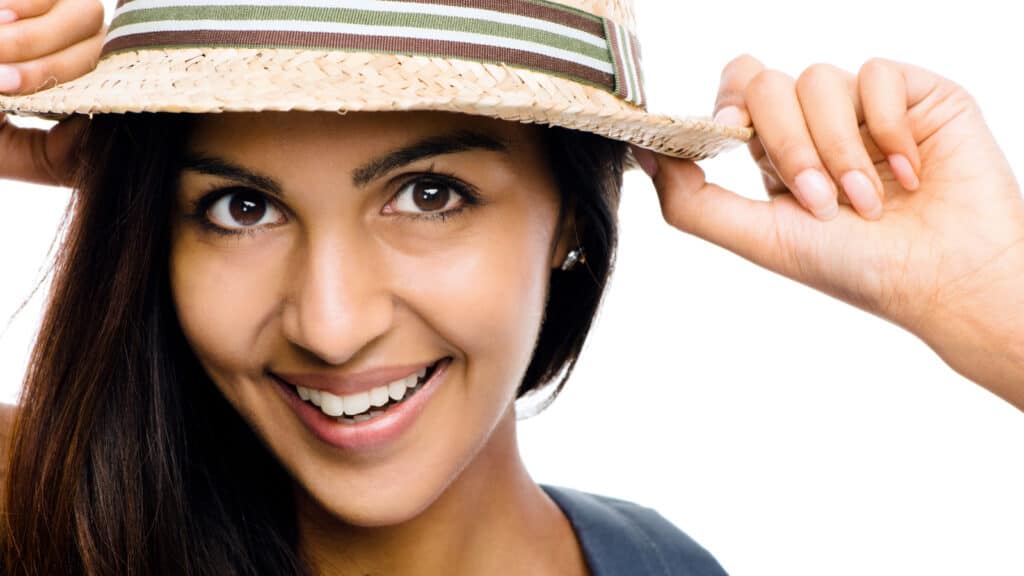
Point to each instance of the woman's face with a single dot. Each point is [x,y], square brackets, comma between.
[346,253]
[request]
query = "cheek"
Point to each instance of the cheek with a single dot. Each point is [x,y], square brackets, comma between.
[494,284]
[221,299]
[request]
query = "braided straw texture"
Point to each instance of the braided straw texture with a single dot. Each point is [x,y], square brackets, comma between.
[225,79]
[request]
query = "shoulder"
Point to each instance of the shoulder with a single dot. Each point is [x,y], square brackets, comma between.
[618,537]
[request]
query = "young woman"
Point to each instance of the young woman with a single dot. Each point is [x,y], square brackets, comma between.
[286,342]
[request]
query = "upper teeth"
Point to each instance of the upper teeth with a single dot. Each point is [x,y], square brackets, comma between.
[358,403]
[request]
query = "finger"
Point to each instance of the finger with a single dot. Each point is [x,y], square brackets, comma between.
[730,105]
[825,92]
[883,89]
[775,109]
[731,110]
[29,8]
[61,146]
[59,67]
[38,155]
[70,21]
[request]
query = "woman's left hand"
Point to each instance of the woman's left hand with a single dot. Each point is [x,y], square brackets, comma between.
[928,232]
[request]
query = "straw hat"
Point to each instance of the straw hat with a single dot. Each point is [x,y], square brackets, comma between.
[570,63]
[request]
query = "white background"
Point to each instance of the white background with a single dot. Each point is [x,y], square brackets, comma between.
[786,431]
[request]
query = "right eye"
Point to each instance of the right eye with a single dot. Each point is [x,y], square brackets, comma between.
[238,210]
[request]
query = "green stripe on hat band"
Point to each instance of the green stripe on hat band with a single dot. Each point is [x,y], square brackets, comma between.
[529,33]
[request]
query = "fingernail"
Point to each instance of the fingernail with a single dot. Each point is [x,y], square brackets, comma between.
[7,16]
[645,158]
[904,171]
[862,194]
[9,79]
[730,116]
[817,194]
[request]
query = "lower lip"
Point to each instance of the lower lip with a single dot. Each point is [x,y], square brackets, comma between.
[369,434]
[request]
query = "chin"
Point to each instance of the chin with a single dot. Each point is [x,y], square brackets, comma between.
[382,497]
[374,510]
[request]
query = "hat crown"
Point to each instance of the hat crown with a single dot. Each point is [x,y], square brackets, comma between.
[588,41]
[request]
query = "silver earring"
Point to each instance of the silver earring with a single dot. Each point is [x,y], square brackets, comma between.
[574,257]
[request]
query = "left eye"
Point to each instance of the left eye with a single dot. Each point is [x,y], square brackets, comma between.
[426,195]
[243,209]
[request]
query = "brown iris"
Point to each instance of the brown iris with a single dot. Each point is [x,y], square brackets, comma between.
[247,208]
[430,196]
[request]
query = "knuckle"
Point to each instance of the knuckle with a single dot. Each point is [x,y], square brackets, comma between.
[815,74]
[15,45]
[954,100]
[874,65]
[93,14]
[734,75]
[791,156]
[35,7]
[887,127]
[671,212]
[768,80]
[843,146]
[744,59]
[673,209]
[963,99]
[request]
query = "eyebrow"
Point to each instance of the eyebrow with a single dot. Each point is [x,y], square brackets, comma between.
[450,143]
[453,142]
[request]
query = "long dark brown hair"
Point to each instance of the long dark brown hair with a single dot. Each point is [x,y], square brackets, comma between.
[124,457]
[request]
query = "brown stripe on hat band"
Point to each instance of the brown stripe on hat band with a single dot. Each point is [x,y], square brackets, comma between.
[534,34]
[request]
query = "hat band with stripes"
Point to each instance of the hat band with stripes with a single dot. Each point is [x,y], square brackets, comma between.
[533,34]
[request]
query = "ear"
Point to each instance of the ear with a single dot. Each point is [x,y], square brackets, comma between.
[568,235]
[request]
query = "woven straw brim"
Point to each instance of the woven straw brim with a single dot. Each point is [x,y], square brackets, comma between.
[207,80]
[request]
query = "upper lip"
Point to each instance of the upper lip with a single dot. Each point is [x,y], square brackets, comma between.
[347,384]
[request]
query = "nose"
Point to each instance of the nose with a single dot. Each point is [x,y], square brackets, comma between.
[338,301]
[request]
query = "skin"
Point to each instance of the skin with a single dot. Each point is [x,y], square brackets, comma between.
[44,43]
[332,280]
[934,244]
[894,246]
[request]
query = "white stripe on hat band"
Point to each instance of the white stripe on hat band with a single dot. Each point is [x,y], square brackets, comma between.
[379,6]
[359,30]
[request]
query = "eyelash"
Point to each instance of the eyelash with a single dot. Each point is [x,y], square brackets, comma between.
[200,208]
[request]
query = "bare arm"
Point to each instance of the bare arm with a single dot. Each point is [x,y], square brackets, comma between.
[928,231]
[980,332]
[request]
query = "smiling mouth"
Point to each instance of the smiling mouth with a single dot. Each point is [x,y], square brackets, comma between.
[365,406]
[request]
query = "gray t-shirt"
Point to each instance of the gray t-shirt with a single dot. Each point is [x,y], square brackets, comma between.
[623,538]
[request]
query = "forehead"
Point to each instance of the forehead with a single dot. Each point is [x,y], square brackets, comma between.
[354,131]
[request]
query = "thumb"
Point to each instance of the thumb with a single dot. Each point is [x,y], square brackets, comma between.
[41,156]
[61,143]
[688,202]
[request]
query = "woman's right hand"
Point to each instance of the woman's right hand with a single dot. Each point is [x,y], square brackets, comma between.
[44,43]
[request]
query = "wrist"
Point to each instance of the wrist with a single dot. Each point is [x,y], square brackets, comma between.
[983,341]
